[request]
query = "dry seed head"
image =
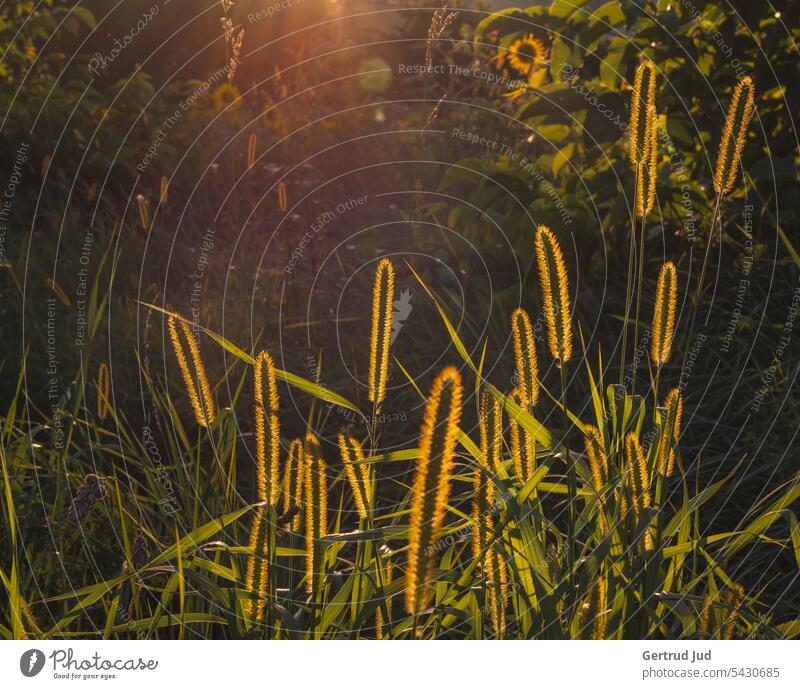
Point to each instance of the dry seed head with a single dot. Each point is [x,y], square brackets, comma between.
[283,201]
[293,481]
[382,305]
[103,391]
[431,486]
[525,357]
[316,504]
[204,412]
[729,156]
[673,403]
[92,490]
[357,471]
[644,95]
[144,213]
[555,294]
[257,573]
[664,314]
[164,190]
[268,432]
[251,151]
[646,191]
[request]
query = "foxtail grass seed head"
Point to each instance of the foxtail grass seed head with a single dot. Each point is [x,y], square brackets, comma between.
[202,401]
[103,391]
[431,486]
[283,200]
[646,191]
[638,479]
[316,506]
[483,494]
[598,463]
[525,357]
[644,95]
[491,430]
[523,444]
[496,589]
[388,575]
[268,432]
[729,156]
[257,573]
[293,486]
[593,614]
[733,602]
[664,314]
[92,490]
[382,305]
[164,190]
[555,294]
[357,471]
[673,403]
[251,151]
[144,211]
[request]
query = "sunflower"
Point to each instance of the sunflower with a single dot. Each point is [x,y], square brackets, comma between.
[226,94]
[526,54]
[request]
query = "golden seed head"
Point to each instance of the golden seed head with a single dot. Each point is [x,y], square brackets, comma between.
[673,403]
[664,314]
[496,589]
[729,156]
[491,430]
[103,391]
[357,472]
[204,411]
[523,444]
[382,305]
[316,504]
[638,478]
[646,190]
[593,610]
[164,190]
[257,573]
[431,486]
[266,417]
[644,95]
[490,424]
[293,485]
[555,294]
[598,459]
[525,357]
